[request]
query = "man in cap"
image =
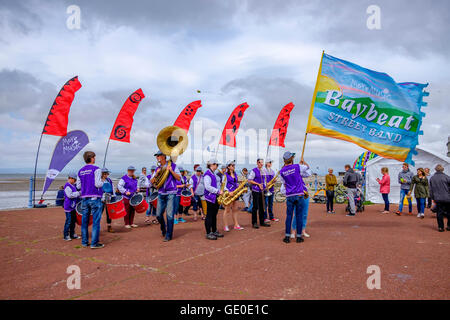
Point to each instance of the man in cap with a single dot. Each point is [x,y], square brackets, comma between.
[108,194]
[150,189]
[70,201]
[90,183]
[166,195]
[197,189]
[212,191]
[256,179]
[247,196]
[291,178]
[269,174]
[181,185]
[128,186]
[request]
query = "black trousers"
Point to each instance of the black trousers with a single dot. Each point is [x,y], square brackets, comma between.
[211,216]
[429,203]
[443,209]
[108,219]
[330,200]
[258,207]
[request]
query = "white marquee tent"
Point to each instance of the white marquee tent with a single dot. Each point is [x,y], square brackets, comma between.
[424,159]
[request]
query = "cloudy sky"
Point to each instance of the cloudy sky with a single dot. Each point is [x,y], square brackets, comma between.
[263,52]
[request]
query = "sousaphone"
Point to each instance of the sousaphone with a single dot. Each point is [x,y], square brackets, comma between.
[172,141]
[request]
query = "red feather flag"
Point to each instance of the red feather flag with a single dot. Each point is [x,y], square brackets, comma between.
[124,121]
[58,117]
[184,119]
[280,128]
[232,126]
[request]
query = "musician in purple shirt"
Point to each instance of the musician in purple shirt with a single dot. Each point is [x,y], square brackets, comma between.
[167,195]
[230,186]
[256,180]
[70,201]
[128,186]
[90,183]
[291,177]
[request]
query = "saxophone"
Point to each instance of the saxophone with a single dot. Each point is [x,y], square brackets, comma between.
[228,199]
[222,187]
[271,183]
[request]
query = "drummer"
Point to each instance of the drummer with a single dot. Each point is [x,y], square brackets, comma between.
[197,189]
[167,195]
[71,196]
[181,185]
[128,186]
[231,185]
[108,195]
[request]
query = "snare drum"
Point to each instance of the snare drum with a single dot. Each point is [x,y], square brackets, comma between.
[138,202]
[153,199]
[116,208]
[185,199]
[79,211]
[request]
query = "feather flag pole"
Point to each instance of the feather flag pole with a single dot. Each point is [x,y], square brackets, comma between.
[57,119]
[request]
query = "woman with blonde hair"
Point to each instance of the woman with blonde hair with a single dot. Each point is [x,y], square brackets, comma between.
[385,188]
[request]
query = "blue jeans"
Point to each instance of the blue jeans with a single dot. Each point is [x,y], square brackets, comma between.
[69,225]
[304,214]
[294,205]
[94,207]
[166,202]
[269,206]
[177,205]
[421,205]
[403,193]
[196,202]
[386,201]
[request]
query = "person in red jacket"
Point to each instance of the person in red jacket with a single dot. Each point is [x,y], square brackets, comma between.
[385,188]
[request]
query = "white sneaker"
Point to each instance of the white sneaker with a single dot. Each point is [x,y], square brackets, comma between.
[134,225]
[292,235]
[128,226]
[306,235]
[419,215]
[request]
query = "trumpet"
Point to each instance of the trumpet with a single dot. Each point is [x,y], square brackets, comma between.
[172,141]
[270,184]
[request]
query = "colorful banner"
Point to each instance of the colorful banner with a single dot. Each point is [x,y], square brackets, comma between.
[184,119]
[280,128]
[65,150]
[58,117]
[231,128]
[367,108]
[124,121]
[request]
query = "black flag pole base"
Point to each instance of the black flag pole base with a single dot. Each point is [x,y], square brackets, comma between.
[40,205]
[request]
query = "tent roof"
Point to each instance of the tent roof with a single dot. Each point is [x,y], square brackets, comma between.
[440,156]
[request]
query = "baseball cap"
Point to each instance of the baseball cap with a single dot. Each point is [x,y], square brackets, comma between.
[131,168]
[212,161]
[158,153]
[287,155]
[105,170]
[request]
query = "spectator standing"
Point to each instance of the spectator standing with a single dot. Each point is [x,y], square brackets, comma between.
[420,185]
[404,178]
[385,188]
[351,181]
[440,194]
[330,184]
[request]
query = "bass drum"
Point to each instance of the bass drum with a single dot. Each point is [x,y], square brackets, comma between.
[79,211]
[138,202]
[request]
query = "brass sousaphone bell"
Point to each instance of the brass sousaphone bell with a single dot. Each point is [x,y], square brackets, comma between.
[172,141]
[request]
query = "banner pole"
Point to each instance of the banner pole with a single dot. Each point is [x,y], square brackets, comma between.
[106,152]
[35,168]
[312,104]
